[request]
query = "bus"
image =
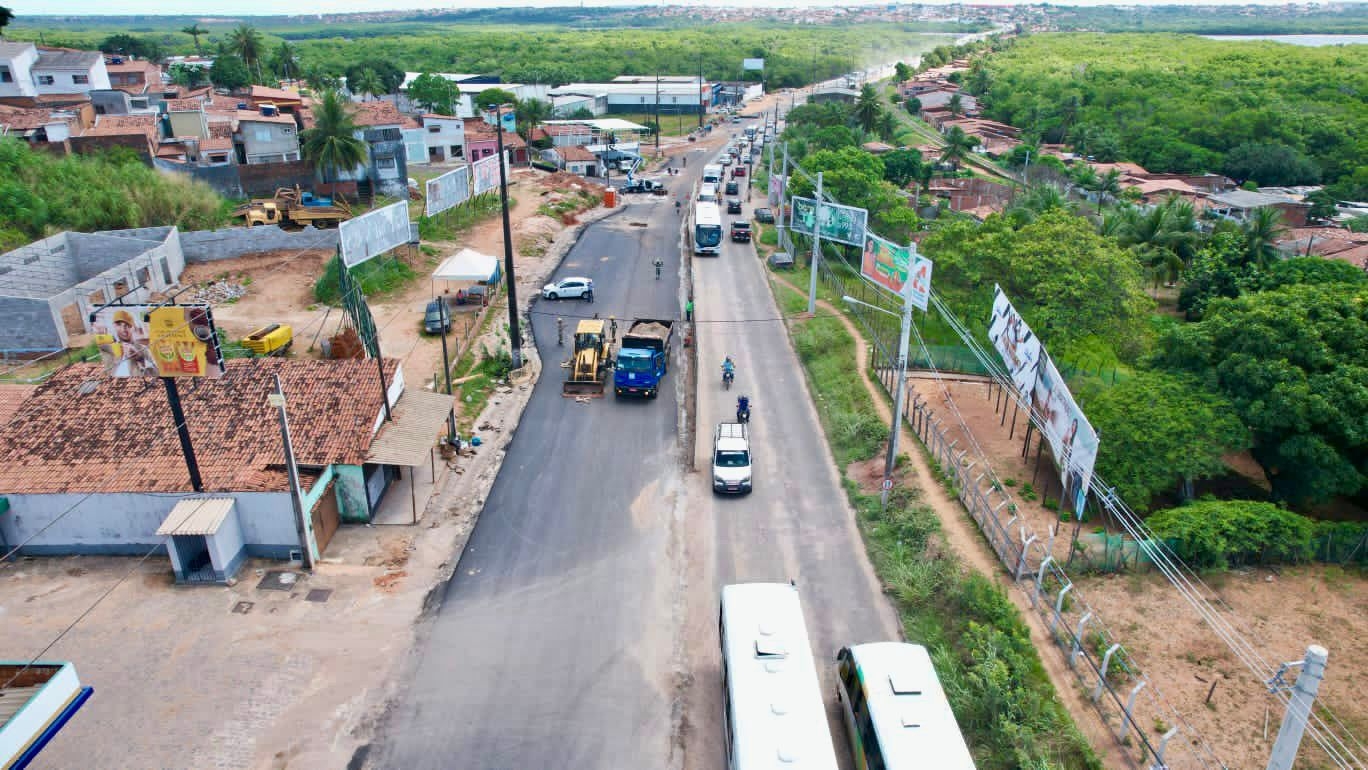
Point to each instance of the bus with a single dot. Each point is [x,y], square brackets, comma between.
[896,714]
[712,173]
[772,703]
[707,231]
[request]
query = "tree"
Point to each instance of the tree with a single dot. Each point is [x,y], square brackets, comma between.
[1037,200]
[367,84]
[285,61]
[1163,432]
[195,31]
[1108,185]
[955,105]
[868,108]
[913,105]
[1310,270]
[531,112]
[1164,237]
[901,72]
[321,80]
[1262,231]
[188,77]
[433,93]
[1218,270]
[902,166]
[131,45]
[888,126]
[958,146]
[1323,205]
[229,72]
[1219,533]
[1270,164]
[389,74]
[1294,361]
[6,16]
[245,41]
[331,145]
[493,97]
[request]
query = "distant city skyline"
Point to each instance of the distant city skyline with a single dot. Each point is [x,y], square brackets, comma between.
[31,8]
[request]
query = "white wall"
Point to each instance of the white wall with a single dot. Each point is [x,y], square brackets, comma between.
[21,74]
[62,79]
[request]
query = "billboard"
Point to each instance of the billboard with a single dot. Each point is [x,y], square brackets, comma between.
[486,174]
[839,223]
[374,233]
[1015,343]
[776,190]
[918,287]
[158,341]
[1072,438]
[752,64]
[447,190]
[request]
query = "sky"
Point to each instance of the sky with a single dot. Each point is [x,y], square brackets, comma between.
[222,8]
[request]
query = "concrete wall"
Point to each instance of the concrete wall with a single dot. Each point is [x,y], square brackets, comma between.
[261,180]
[28,327]
[211,245]
[275,141]
[21,73]
[223,177]
[186,123]
[126,523]
[350,488]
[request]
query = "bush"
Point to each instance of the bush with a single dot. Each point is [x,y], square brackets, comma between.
[375,277]
[1221,533]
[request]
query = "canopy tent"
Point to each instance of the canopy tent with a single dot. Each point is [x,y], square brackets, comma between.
[469,266]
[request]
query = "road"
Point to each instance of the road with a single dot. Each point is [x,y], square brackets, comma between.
[796,524]
[553,644]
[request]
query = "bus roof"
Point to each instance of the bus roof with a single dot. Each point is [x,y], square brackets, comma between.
[780,718]
[707,213]
[911,715]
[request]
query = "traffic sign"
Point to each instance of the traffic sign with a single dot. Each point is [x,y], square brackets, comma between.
[887,484]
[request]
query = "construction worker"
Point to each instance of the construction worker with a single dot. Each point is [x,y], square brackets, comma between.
[688,310]
[560,332]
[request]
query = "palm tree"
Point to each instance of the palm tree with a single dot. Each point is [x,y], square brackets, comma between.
[868,108]
[286,61]
[367,83]
[246,42]
[195,31]
[958,145]
[1085,176]
[1107,185]
[955,105]
[1261,233]
[1036,201]
[888,125]
[531,112]
[331,145]
[320,80]
[1163,238]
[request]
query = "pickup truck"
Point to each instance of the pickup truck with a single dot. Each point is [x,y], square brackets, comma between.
[643,358]
[741,231]
[731,465]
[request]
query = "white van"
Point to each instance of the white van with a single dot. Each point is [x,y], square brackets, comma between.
[712,173]
[707,193]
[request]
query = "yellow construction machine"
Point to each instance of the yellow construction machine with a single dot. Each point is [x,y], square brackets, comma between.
[592,357]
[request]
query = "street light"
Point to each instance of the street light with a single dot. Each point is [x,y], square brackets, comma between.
[906,317]
[514,335]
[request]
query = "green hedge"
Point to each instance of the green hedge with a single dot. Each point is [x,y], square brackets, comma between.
[1222,533]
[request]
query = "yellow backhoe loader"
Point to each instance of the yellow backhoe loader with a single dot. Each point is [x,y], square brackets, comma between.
[591,360]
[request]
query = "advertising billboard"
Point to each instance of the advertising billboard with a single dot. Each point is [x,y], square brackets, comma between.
[486,174]
[158,341]
[447,190]
[752,64]
[918,286]
[776,190]
[839,223]
[374,233]
[1015,343]
[1072,438]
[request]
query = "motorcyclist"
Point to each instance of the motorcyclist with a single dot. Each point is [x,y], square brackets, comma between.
[743,409]
[728,370]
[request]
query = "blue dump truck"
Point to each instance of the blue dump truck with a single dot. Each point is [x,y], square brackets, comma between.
[643,358]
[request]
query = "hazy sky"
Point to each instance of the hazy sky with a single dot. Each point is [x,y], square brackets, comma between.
[273,7]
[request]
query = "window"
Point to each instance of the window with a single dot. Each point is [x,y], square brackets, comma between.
[434,129]
[45,80]
[138,104]
[457,151]
[287,130]
[5,75]
[384,162]
[80,80]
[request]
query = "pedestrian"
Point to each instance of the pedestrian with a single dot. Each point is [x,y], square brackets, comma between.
[560,332]
[589,295]
[688,310]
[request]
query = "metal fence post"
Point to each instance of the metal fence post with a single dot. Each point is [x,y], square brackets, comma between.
[1059,610]
[1040,578]
[1130,705]
[1102,673]
[1078,638]
[1021,561]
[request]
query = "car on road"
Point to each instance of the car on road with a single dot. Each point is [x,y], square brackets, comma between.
[733,205]
[731,464]
[764,216]
[726,159]
[567,288]
[733,188]
[741,231]
[738,171]
[437,317]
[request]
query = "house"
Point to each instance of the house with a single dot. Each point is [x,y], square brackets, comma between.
[138,133]
[877,148]
[481,142]
[562,135]
[381,127]
[834,94]
[444,137]
[1153,191]
[186,117]
[286,102]
[975,196]
[134,76]
[565,104]
[675,95]
[125,488]
[941,98]
[265,137]
[42,127]
[16,69]
[1329,242]
[575,159]
[65,71]
[114,101]
[1240,205]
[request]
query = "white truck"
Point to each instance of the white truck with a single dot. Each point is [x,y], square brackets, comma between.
[731,464]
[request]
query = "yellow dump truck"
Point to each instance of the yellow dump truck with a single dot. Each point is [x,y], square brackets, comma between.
[294,207]
[591,360]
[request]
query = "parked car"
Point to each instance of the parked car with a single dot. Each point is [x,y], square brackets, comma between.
[741,231]
[733,188]
[437,317]
[764,216]
[568,288]
[733,205]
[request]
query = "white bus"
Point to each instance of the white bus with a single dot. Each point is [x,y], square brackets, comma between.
[771,700]
[707,230]
[896,714]
[712,173]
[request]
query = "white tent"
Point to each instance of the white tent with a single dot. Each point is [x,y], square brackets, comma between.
[468,266]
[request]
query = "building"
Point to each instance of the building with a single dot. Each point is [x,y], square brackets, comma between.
[265,136]
[134,76]
[138,133]
[381,127]
[1240,205]
[42,127]
[444,138]
[125,488]
[16,69]
[284,102]
[575,159]
[64,71]
[49,288]
[634,94]
[481,142]
[567,134]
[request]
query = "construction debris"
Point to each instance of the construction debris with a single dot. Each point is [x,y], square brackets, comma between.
[217,293]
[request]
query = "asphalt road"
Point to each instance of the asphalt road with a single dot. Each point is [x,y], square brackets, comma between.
[554,642]
[796,524]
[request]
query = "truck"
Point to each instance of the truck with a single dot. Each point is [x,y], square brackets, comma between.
[750,133]
[731,464]
[643,357]
[294,207]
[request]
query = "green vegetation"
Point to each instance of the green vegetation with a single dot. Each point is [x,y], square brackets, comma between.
[1185,103]
[1336,19]
[569,203]
[483,371]
[991,671]
[449,224]
[376,277]
[331,145]
[1222,533]
[41,193]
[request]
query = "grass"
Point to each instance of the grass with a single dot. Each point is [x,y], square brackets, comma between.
[377,277]
[1001,695]
[473,394]
[670,125]
[448,225]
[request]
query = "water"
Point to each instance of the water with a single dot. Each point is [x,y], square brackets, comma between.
[1311,40]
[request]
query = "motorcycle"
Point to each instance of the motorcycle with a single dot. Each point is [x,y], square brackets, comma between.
[743,412]
[727,378]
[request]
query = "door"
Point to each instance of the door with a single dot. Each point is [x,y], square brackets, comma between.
[326,518]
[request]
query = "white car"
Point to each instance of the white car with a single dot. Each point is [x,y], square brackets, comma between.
[727,159]
[566,288]
[731,464]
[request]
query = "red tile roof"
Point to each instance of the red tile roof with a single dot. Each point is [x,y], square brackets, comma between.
[574,153]
[11,396]
[24,118]
[215,143]
[118,125]
[248,116]
[184,105]
[264,94]
[378,113]
[118,436]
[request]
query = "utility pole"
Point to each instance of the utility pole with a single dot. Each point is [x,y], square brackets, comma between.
[700,90]
[779,219]
[277,399]
[816,247]
[892,458]
[514,334]
[446,367]
[657,109]
[183,432]
[1299,706]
